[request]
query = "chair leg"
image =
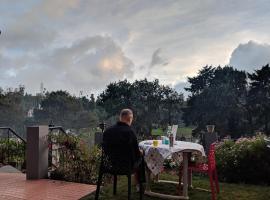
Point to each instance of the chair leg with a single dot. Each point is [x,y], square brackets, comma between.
[98,184]
[129,187]
[216,181]
[213,193]
[141,190]
[180,179]
[114,184]
[140,183]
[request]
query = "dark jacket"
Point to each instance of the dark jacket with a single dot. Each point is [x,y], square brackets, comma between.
[122,136]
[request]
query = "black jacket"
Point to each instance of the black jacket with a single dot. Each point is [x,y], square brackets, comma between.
[122,136]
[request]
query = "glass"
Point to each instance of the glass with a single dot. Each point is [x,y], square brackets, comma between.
[155,143]
[163,139]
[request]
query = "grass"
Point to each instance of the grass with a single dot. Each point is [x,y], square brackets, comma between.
[228,191]
[181,131]
[185,131]
[158,132]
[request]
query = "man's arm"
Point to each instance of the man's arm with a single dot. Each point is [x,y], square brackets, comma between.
[136,151]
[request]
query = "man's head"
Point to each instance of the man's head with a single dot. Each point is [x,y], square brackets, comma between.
[126,116]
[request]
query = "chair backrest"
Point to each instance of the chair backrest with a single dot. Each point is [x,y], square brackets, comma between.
[208,139]
[211,157]
[117,158]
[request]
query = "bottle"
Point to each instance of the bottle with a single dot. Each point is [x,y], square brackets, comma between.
[171,140]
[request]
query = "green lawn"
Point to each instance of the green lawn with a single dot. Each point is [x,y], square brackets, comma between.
[158,132]
[181,131]
[228,191]
[185,131]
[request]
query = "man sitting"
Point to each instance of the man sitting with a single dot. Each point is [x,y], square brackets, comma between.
[122,133]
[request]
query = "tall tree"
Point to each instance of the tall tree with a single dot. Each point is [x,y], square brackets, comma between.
[259,97]
[218,97]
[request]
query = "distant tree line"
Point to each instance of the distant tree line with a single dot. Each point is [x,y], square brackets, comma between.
[237,102]
[151,102]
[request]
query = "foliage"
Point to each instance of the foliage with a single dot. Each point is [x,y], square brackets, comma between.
[12,151]
[259,98]
[65,110]
[246,160]
[151,103]
[218,96]
[77,162]
[12,113]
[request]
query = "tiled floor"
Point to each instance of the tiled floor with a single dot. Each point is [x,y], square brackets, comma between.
[14,186]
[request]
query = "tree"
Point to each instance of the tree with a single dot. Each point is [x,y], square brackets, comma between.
[218,96]
[149,101]
[12,113]
[259,97]
[65,110]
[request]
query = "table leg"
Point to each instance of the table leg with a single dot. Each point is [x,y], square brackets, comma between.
[185,174]
[148,179]
[190,179]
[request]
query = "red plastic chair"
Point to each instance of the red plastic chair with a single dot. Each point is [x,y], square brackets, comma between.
[210,169]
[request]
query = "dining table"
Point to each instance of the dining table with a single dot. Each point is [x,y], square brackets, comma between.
[156,154]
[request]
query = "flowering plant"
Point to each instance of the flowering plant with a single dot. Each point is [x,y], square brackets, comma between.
[244,160]
[75,160]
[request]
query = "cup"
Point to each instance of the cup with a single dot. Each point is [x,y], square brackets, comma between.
[163,139]
[166,140]
[155,143]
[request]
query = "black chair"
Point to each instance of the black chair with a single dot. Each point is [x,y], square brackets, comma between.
[116,160]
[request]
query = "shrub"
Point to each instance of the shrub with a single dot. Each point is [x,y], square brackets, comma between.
[12,152]
[247,161]
[77,163]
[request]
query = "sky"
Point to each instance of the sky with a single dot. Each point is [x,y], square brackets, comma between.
[83,45]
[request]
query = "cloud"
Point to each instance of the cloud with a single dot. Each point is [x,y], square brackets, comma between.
[158,59]
[86,65]
[250,56]
[83,45]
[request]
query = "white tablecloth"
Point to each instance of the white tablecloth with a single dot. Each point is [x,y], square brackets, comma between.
[155,156]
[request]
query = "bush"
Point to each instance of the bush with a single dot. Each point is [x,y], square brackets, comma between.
[12,152]
[77,163]
[247,161]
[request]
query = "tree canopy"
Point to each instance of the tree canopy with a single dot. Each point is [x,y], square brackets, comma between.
[218,97]
[151,102]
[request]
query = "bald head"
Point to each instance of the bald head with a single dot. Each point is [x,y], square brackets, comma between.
[126,116]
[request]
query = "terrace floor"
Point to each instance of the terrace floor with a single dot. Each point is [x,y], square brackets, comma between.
[14,186]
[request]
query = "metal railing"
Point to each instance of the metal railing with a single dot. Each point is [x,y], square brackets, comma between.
[55,147]
[12,148]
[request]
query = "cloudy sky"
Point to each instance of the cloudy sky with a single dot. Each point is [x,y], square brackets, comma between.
[82,45]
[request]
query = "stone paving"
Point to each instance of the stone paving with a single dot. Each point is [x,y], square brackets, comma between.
[14,186]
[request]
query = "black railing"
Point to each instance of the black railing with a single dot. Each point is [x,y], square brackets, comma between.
[12,148]
[55,147]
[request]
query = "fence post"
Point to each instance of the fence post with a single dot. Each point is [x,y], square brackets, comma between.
[37,152]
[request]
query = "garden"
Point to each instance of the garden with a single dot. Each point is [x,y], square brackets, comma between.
[243,169]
